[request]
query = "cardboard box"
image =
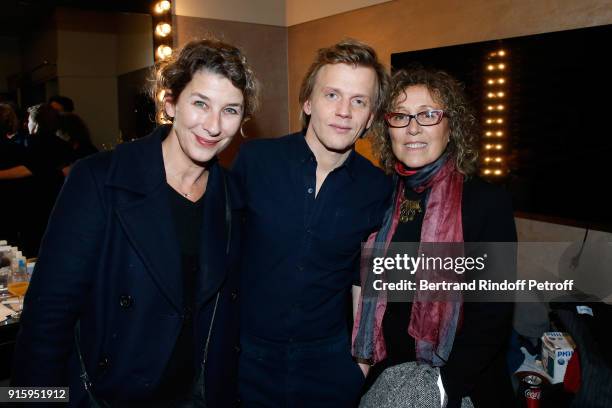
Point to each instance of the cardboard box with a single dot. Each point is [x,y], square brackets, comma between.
[557,349]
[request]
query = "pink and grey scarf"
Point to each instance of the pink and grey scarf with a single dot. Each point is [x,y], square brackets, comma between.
[433,323]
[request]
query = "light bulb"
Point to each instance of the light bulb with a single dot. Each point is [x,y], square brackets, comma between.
[162,6]
[163,29]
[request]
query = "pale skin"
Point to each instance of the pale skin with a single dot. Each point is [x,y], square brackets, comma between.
[415,145]
[207,115]
[341,110]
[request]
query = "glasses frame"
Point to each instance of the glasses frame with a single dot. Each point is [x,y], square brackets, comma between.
[410,117]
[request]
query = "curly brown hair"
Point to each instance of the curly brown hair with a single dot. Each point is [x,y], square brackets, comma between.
[351,52]
[447,91]
[209,54]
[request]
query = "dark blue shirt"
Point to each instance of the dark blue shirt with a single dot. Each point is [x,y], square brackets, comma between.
[301,252]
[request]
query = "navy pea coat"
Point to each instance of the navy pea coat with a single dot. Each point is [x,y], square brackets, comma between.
[110,260]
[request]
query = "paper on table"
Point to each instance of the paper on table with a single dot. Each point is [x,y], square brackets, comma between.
[5,312]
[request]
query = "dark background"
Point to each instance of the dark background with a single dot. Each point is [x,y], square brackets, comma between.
[558,117]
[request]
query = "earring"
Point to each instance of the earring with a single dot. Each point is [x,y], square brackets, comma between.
[241,129]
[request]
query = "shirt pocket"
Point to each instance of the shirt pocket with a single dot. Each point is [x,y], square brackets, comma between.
[344,233]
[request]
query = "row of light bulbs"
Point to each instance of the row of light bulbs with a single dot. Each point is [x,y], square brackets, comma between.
[494,159]
[494,164]
[493,67]
[493,81]
[494,146]
[163,29]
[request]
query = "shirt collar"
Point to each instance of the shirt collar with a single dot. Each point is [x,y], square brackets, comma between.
[303,154]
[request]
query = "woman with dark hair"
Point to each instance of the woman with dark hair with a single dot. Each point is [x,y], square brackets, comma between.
[429,143]
[133,298]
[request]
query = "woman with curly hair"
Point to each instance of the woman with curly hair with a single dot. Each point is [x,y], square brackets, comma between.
[133,301]
[429,144]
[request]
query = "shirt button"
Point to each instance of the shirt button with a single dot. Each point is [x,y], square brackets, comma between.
[308,231]
[310,190]
[126,301]
[103,364]
[301,267]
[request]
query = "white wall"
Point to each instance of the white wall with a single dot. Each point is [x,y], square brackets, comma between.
[84,53]
[271,12]
[301,11]
[134,42]
[591,274]
[87,73]
[282,13]
[93,48]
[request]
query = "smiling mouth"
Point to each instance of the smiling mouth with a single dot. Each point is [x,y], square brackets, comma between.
[415,145]
[205,142]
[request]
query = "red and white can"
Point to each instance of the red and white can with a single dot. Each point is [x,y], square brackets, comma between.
[531,391]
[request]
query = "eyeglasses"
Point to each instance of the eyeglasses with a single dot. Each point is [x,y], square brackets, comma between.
[425,118]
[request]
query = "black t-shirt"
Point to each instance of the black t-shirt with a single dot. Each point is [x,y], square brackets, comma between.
[11,154]
[180,372]
[47,155]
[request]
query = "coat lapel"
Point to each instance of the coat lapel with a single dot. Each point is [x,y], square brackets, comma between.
[148,224]
[142,205]
[137,177]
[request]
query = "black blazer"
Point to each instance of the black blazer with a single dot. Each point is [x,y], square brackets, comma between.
[477,364]
[110,259]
